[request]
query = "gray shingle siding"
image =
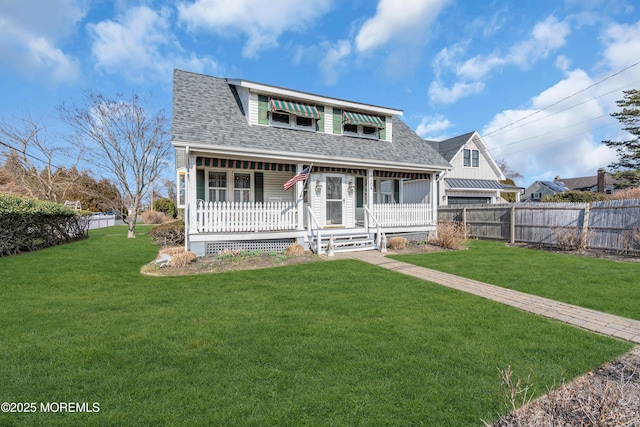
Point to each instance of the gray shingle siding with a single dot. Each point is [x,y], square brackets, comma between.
[207,110]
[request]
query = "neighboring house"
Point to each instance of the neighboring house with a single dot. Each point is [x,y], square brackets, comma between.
[600,183]
[238,143]
[540,189]
[475,177]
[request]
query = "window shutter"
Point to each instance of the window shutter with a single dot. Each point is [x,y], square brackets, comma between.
[320,121]
[359,192]
[383,132]
[263,109]
[337,121]
[258,179]
[200,184]
[396,190]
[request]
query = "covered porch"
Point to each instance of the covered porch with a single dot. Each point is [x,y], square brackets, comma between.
[243,204]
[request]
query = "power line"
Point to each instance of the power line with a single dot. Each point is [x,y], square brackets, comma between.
[30,155]
[565,109]
[565,98]
[555,131]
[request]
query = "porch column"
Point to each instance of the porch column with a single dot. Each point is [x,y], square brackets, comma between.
[370,189]
[433,190]
[300,196]
[192,194]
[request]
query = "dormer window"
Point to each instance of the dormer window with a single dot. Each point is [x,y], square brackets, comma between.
[362,125]
[293,114]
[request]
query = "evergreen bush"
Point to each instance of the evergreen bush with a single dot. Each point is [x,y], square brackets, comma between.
[29,224]
[166,206]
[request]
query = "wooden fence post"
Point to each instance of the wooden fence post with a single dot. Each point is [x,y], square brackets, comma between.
[464,221]
[584,239]
[512,225]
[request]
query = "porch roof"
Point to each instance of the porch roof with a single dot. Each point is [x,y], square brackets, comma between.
[208,111]
[472,184]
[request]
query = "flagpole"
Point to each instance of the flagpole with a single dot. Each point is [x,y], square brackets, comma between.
[306,179]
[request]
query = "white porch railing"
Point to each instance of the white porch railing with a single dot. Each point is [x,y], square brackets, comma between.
[314,231]
[224,217]
[403,214]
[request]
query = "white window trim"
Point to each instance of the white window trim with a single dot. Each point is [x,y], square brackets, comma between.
[360,133]
[181,188]
[292,123]
[471,150]
[230,180]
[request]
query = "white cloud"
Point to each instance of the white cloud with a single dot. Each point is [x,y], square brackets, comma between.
[334,61]
[546,36]
[622,45]
[432,127]
[262,22]
[542,143]
[397,19]
[443,95]
[140,45]
[30,35]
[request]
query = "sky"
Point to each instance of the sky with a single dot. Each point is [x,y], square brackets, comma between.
[537,80]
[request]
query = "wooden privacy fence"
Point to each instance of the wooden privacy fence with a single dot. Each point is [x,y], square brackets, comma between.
[609,225]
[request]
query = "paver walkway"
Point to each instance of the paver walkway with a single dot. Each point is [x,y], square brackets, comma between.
[596,321]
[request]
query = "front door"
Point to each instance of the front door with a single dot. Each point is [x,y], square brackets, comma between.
[334,200]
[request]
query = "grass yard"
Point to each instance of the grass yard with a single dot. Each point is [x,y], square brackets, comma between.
[326,343]
[603,285]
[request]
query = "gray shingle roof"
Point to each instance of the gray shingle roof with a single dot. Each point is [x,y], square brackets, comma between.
[450,147]
[207,110]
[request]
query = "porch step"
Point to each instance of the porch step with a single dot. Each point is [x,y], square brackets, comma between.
[349,242]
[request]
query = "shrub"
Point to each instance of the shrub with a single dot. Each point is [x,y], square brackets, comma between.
[576,197]
[29,224]
[569,238]
[154,217]
[625,194]
[168,234]
[182,259]
[450,234]
[295,249]
[166,206]
[397,243]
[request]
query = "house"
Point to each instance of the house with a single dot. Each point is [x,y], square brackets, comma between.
[260,167]
[600,183]
[475,177]
[540,189]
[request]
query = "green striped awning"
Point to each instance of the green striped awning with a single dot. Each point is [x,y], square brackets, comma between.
[353,118]
[215,162]
[295,108]
[406,175]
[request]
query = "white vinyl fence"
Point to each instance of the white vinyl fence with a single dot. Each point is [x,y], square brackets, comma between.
[101,221]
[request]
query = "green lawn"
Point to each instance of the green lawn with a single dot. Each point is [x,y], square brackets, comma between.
[604,285]
[327,343]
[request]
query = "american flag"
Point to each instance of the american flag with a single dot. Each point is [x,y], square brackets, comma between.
[301,176]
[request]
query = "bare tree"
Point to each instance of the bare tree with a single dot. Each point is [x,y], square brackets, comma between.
[30,160]
[123,139]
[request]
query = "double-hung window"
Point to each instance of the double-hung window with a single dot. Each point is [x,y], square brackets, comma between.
[292,114]
[362,125]
[217,186]
[242,187]
[471,158]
